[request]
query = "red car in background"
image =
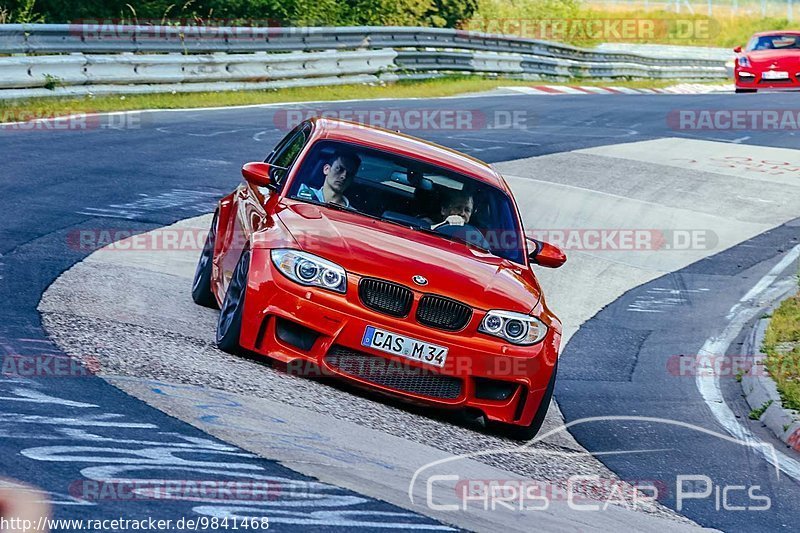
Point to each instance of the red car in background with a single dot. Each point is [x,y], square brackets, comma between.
[393,263]
[771,60]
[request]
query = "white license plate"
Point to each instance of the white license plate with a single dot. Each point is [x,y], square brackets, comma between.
[403,346]
[775,75]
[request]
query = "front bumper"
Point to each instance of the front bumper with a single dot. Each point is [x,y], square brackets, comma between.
[757,81]
[503,381]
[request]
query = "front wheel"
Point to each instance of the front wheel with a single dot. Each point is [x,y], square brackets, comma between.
[229,326]
[528,432]
[201,287]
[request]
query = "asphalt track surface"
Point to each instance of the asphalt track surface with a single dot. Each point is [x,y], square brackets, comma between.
[174,165]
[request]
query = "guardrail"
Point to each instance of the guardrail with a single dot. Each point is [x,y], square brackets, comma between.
[92,58]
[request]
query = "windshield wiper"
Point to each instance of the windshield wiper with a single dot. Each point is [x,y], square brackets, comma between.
[451,238]
[340,207]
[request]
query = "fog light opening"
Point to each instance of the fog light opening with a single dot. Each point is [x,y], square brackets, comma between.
[295,335]
[491,389]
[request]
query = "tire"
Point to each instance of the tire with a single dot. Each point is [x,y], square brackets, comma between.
[528,432]
[738,90]
[201,286]
[229,325]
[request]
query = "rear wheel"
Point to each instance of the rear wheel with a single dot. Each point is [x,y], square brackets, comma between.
[201,287]
[528,432]
[738,90]
[229,325]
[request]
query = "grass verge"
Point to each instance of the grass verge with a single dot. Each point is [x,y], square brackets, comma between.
[755,414]
[782,346]
[447,86]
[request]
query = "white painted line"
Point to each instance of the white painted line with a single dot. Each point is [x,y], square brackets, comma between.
[707,380]
[772,275]
[754,199]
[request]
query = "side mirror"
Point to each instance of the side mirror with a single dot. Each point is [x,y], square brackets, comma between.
[738,49]
[546,254]
[257,174]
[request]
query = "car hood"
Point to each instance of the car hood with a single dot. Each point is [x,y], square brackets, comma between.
[781,58]
[374,248]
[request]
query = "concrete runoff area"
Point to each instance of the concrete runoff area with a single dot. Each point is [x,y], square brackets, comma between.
[616,188]
[157,345]
[132,312]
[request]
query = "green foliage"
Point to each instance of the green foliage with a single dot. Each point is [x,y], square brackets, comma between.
[528,9]
[755,414]
[20,12]
[389,12]
[493,16]
[451,14]
[782,346]
[52,82]
[260,12]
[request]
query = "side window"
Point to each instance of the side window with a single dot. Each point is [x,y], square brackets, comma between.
[284,156]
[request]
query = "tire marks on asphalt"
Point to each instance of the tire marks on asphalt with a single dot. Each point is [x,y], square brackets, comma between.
[163,473]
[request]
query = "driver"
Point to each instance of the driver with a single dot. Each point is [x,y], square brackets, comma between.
[457,209]
[339,173]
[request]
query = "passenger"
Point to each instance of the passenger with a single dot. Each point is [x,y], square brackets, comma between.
[457,209]
[339,173]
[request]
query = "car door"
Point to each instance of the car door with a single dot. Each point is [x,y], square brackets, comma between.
[250,210]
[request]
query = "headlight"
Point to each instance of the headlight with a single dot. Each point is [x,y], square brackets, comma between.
[308,269]
[516,328]
[743,61]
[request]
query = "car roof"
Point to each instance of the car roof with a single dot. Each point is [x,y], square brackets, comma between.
[776,32]
[406,145]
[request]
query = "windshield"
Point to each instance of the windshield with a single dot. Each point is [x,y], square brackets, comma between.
[412,193]
[774,42]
